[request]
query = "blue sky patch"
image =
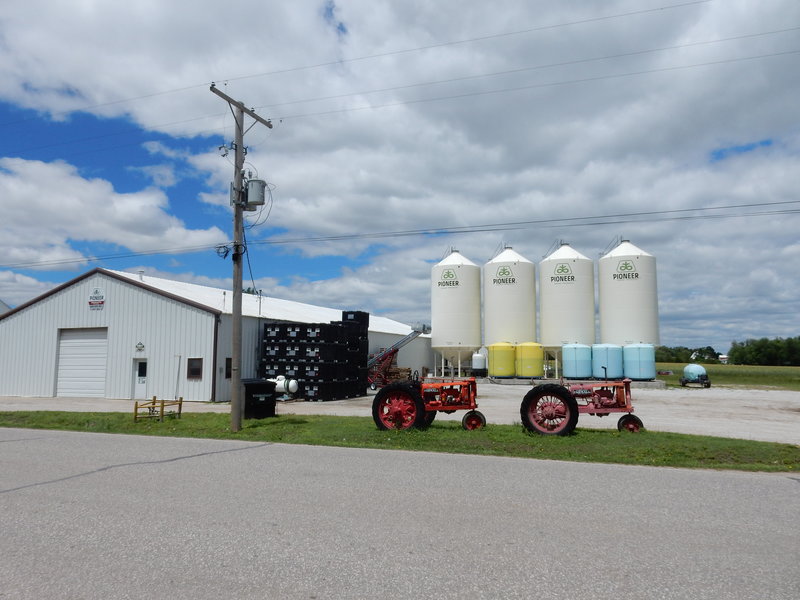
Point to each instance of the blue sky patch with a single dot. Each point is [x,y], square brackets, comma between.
[723,153]
[329,13]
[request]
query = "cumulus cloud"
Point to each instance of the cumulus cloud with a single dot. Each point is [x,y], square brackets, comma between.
[54,206]
[543,121]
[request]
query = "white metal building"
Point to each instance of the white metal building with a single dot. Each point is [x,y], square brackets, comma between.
[112,334]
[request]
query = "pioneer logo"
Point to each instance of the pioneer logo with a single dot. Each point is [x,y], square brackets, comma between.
[504,276]
[448,278]
[562,273]
[625,270]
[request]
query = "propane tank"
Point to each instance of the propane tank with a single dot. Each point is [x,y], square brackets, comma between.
[284,386]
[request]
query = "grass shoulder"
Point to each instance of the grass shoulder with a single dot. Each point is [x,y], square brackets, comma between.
[585,445]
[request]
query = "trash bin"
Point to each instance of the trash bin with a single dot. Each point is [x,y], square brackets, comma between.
[259,398]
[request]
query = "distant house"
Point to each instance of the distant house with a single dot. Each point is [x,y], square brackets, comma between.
[110,334]
[4,307]
[723,358]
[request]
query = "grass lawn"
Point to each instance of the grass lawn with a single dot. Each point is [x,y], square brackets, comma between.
[586,445]
[783,378]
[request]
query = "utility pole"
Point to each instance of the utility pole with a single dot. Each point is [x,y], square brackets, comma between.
[239,200]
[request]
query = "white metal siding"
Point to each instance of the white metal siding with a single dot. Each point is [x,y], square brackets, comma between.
[82,357]
[168,330]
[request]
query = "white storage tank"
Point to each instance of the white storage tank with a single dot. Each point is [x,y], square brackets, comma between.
[509,299]
[628,296]
[566,298]
[456,308]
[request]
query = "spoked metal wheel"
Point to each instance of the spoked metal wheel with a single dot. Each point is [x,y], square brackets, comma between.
[549,410]
[630,423]
[398,406]
[473,420]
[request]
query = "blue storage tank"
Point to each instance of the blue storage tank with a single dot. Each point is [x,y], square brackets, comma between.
[693,372]
[640,361]
[608,356]
[576,361]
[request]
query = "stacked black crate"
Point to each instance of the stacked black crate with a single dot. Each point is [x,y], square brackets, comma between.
[327,359]
[322,356]
[356,328]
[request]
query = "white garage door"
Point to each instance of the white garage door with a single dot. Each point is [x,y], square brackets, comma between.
[82,363]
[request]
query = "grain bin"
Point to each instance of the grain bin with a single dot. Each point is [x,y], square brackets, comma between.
[628,296]
[566,298]
[509,299]
[607,361]
[456,308]
[640,362]
[529,360]
[576,361]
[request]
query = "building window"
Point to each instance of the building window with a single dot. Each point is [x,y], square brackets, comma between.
[228,366]
[194,368]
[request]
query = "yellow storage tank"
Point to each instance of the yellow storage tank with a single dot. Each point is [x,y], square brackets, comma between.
[530,360]
[501,359]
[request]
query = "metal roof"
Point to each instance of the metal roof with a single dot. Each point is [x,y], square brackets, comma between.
[265,307]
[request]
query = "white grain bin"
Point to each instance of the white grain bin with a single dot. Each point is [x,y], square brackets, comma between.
[509,299]
[566,298]
[456,308]
[628,296]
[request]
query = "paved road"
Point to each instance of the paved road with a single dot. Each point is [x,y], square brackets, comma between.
[108,516]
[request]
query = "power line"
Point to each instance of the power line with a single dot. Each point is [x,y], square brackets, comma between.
[370,57]
[530,68]
[447,97]
[536,86]
[711,212]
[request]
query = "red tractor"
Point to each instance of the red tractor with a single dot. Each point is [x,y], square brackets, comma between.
[553,409]
[548,409]
[408,404]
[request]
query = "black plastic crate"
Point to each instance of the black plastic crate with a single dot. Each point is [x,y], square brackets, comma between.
[271,350]
[325,352]
[319,391]
[356,316]
[322,370]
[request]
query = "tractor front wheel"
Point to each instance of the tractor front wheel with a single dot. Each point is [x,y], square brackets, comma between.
[549,409]
[398,406]
[473,420]
[630,423]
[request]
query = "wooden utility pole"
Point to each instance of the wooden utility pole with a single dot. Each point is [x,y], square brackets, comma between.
[239,201]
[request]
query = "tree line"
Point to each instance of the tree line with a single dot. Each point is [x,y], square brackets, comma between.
[682,354]
[775,353]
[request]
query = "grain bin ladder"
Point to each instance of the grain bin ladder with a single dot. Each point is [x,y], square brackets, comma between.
[378,366]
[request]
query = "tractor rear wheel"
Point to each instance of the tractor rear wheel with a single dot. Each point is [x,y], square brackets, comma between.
[549,409]
[429,417]
[398,406]
[630,423]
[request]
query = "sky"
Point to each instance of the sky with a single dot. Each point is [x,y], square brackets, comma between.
[402,130]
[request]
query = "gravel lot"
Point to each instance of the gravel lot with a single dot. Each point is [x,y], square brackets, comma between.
[753,414]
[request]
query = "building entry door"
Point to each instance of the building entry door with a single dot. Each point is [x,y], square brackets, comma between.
[140,379]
